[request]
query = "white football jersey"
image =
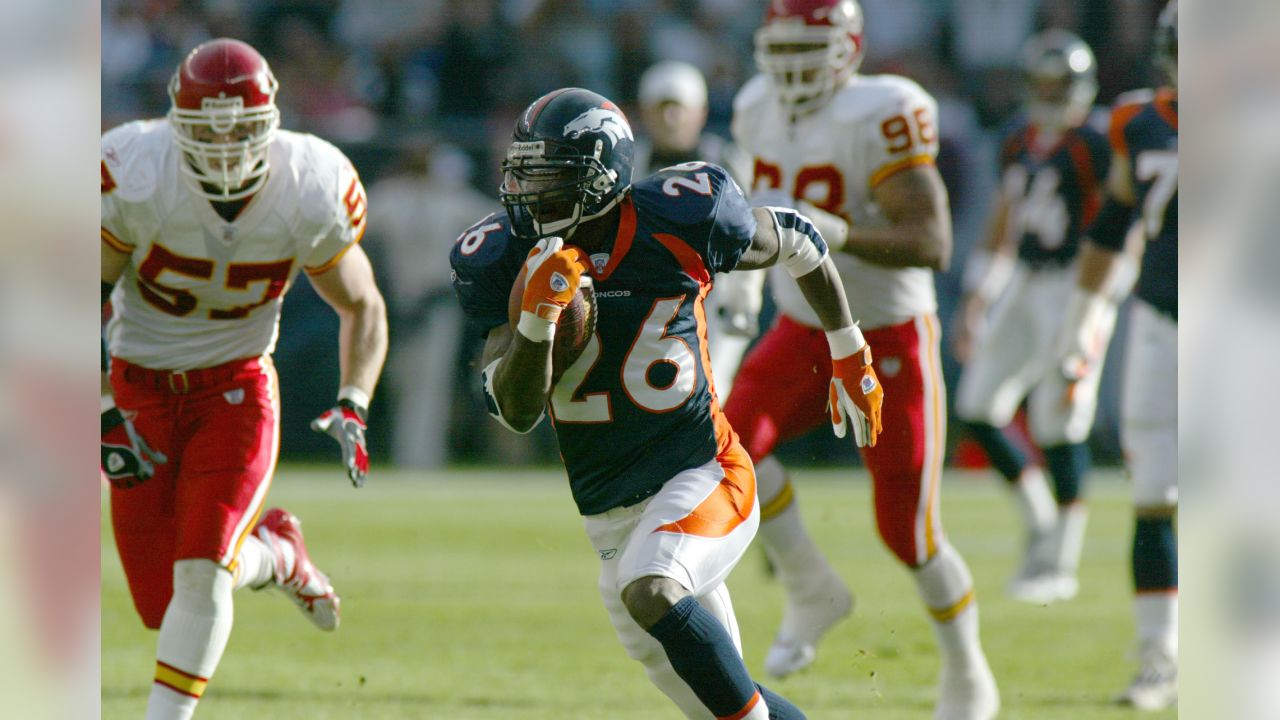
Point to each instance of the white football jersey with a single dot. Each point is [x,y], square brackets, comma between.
[199,290]
[833,157]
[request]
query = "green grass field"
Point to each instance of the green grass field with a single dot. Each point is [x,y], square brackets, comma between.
[471,595]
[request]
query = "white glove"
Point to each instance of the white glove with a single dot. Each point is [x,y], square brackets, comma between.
[1082,343]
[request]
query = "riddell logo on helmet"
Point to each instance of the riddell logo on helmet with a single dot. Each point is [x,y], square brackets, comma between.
[600,120]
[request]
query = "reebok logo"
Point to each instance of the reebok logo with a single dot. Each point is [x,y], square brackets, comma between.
[868,384]
[608,554]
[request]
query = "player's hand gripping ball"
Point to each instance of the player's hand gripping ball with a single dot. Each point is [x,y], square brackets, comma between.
[555,268]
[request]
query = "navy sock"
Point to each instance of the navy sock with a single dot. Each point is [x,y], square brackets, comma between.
[1068,464]
[779,707]
[703,655]
[1155,555]
[1001,452]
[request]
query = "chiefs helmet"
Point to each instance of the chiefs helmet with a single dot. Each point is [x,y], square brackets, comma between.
[569,162]
[809,48]
[224,116]
[1166,41]
[1061,79]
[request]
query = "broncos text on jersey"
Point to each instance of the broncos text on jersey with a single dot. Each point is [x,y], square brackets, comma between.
[639,405]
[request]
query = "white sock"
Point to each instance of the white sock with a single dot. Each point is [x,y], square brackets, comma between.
[1157,618]
[1035,501]
[946,587]
[193,635]
[797,560]
[256,564]
[1068,541]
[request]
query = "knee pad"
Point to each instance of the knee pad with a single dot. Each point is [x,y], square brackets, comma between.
[201,585]
[771,484]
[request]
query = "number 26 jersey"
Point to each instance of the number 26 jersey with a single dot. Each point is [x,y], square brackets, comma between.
[639,405]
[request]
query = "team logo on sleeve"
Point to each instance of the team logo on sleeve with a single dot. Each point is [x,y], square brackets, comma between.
[600,120]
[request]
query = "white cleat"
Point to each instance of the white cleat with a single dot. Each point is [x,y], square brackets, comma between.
[804,622]
[1156,685]
[294,573]
[968,694]
[1043,588]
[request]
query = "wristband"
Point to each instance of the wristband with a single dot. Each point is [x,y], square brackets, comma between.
[845,341]
[355,395]
[535,328]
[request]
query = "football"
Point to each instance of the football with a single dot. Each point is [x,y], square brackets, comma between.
[577,323]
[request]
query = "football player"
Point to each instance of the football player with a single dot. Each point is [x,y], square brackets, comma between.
[207,217]
[856,154]
[1053,164]
[667,493]
[1142,187]
[673,109]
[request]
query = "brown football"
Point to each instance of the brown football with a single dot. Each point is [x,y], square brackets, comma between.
[577,323]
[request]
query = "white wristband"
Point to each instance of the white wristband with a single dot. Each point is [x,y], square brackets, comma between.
[355,395]
[845,341]
[108,402]
[535,328]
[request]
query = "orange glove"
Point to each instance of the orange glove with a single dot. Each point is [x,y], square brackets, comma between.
[855,392]
[553,272]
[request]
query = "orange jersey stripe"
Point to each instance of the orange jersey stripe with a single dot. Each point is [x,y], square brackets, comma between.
[893,168]
[333,261]
[934,401]
[1165,97]
[746,709]
[1087,176]
[621,242]
[114,242]
[727,506]
[1120,119]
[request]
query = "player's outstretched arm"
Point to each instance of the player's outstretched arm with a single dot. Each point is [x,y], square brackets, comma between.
[785,237]
[517,364]
[987,272]
[350,289]
[914,201]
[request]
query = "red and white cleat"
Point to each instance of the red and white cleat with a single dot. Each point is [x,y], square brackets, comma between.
[295,575]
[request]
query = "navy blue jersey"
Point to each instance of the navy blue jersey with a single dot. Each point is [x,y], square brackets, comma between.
[1055,192]
[1144,133]
[638,406]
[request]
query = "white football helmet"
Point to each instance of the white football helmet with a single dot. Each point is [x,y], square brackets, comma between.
[809,48]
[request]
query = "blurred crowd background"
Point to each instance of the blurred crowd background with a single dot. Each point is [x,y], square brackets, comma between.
[422,96]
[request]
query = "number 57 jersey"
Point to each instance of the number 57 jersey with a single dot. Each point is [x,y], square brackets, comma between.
[200,290]
[834,157]
[639,405]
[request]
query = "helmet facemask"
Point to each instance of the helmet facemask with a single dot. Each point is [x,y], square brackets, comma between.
[547,196]
[807,63]
[225,144]
[1059,80]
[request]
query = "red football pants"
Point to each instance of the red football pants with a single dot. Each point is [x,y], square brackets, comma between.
[781,393]
[221,440]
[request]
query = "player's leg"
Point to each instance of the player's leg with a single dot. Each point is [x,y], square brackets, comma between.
[230,442]
[143,517]
[992,385]
[767,407]
[906,471]
[1149,435]
[689,537]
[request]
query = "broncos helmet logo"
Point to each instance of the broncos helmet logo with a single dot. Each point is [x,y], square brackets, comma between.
[601,120]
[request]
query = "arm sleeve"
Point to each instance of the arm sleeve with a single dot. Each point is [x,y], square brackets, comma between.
[732,227]
[349,221]
[113,226]
[483,274]
[902,133]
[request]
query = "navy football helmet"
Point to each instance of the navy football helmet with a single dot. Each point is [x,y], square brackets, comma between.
[1166,40]
[569,162]
[1061,79]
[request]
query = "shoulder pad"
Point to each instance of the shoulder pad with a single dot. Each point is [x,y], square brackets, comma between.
[870,95]
[134,155]
[484,243]
[684,194]
[752,92]
[1134,97]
